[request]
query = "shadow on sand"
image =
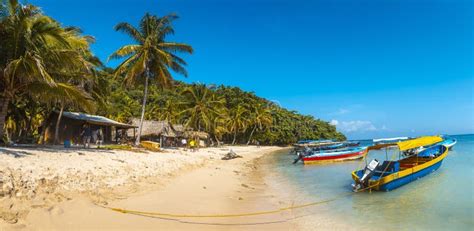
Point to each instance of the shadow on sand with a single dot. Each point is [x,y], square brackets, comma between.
[23,151]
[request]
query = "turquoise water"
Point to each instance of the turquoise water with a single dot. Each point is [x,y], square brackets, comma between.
[442,200]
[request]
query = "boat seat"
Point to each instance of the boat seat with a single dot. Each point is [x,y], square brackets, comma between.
[387,167]
[408,165]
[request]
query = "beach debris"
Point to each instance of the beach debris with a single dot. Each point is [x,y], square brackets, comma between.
[231,155]
[121,161]
[240,198]
[245,186]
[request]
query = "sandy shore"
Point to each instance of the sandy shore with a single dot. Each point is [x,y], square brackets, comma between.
[57,189]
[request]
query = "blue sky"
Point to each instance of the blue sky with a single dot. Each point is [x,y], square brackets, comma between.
[375,68]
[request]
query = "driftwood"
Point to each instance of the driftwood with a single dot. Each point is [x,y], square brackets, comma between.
[231,155]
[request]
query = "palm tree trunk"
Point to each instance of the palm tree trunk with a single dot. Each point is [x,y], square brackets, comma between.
[137,142]
[58,121]
[217,140]
[251,134]
[235,137]
[3,114]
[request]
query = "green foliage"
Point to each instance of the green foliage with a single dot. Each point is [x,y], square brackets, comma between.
[45,66]
[151,57]
[223,112]
[41,61]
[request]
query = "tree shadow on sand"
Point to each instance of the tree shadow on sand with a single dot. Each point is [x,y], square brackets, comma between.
[18,152]
[15,153]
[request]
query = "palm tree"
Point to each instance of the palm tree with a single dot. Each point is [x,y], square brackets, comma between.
[151,57]
[238,120]
[169,111]
[218,124]
[201,106]
[34,48]
[261,118]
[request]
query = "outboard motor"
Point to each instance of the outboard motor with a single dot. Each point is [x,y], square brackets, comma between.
[300,156]
[368,172]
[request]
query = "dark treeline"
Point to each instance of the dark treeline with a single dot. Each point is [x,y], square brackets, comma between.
[46,66]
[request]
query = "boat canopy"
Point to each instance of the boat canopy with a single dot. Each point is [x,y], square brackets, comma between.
[418,142]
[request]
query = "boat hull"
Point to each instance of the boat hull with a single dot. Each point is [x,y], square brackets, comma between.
[407,179]
[315,159]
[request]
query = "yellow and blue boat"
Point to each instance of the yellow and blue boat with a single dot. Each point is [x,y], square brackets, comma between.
[413,162]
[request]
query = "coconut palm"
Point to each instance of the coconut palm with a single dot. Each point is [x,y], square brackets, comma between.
[169,111]
[34,49]
[151,57]
[218,124]
[238,120]
[201,106]
[260,117]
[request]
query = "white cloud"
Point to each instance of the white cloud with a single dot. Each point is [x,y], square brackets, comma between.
[354,126]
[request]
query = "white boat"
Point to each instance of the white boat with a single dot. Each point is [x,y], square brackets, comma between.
[390,140]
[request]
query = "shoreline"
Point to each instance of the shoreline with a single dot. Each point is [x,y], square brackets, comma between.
[209,185]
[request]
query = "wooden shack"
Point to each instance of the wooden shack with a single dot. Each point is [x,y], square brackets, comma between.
[72,123]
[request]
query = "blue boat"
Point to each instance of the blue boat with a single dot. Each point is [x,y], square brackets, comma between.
[448,142]
[411,165]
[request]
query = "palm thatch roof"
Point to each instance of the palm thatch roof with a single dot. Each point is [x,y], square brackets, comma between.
[156,128]
[152,128]
[196,134]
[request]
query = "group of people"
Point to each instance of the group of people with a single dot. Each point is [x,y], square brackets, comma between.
[193,144]
[91,135]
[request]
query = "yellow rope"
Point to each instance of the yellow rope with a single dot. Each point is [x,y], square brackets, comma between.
[231,215]
[171,215]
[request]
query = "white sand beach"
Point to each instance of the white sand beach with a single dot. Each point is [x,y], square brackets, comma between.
[58,189]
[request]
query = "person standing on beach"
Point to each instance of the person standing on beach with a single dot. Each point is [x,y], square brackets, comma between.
[100,137]
[184,143]
[86,135]
[192,145]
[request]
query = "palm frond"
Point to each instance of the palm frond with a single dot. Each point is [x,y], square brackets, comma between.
[131,31]
[43,28]
[64,93]
[30,67]
[124,51]
[176,47]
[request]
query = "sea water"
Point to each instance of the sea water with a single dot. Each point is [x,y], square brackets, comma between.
[442,200]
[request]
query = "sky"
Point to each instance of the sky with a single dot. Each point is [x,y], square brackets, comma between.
[373,68]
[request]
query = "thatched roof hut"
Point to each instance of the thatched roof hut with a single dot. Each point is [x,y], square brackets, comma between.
[155,129]
[196,134]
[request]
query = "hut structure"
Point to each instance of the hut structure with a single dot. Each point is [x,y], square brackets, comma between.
[169,135]
[158,131]
[201,137]
[72,125]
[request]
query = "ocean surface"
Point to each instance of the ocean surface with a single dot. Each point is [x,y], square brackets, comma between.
[442,200]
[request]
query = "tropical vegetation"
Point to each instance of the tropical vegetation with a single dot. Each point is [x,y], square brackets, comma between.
[150,59]
[45,67]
